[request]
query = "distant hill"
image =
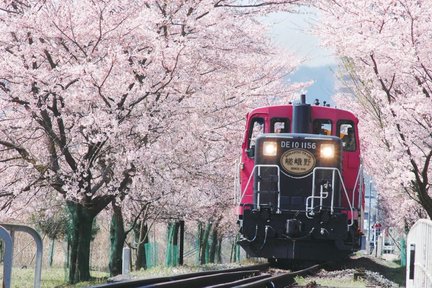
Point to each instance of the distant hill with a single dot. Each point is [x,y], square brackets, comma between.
[324,82]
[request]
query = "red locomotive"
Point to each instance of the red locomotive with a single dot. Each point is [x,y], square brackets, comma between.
[301,183]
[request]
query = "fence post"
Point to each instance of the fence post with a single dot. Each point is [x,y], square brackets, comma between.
[380,244]
[126,261]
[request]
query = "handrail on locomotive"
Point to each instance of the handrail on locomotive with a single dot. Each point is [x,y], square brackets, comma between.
[310,210]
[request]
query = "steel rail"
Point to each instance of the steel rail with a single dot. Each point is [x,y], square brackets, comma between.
[281,280]
[146,282]
[240,282]
[204,281]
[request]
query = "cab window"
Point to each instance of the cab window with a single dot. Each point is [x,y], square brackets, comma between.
[347,133]
[279,125]
[322,127]
[256,128]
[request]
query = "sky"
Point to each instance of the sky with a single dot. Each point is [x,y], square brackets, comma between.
[292,32]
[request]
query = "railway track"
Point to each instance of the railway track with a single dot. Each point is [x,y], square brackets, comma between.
[243,277]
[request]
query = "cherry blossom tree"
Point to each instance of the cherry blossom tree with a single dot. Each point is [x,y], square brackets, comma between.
[104,101]
[386,48]
[207,128]
[196,182]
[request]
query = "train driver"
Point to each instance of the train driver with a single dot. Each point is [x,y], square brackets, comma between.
[348,140]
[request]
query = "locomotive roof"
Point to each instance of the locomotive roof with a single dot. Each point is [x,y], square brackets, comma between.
[280,110]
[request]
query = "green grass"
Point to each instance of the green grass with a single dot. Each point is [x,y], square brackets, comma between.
[56,277]
[24,277]
[51,278]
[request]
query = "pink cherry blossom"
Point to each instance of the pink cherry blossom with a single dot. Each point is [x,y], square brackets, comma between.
[386,50]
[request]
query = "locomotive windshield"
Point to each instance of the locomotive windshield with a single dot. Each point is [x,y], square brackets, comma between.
[280,125]
[322,127]
[346,133]
[256,129]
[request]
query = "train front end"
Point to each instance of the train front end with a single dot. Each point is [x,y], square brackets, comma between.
[297,210]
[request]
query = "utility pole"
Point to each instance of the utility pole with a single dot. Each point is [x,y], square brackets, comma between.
[369,219]
[378,228]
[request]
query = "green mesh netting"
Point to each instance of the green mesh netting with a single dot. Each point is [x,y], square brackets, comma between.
[403,253]
[237,251]
[151,254]
[168,256]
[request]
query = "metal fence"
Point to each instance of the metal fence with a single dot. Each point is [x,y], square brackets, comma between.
[419,253]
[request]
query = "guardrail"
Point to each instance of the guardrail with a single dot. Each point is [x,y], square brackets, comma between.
[7,234]
[419,255]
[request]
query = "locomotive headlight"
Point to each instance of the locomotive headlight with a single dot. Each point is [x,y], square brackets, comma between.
[327,151]
[269,148]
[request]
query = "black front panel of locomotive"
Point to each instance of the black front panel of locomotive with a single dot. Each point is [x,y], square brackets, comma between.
[296,156]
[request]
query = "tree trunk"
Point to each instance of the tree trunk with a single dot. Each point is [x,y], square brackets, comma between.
[200,235]
[232,253]
[172,247]
[67,253]
[213,245]
[79,232]
[219,250]
[168,254]
[235,250]
[51,253]
[204,243]
[422,193]
[117,238]
[181,245]
[141,238]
